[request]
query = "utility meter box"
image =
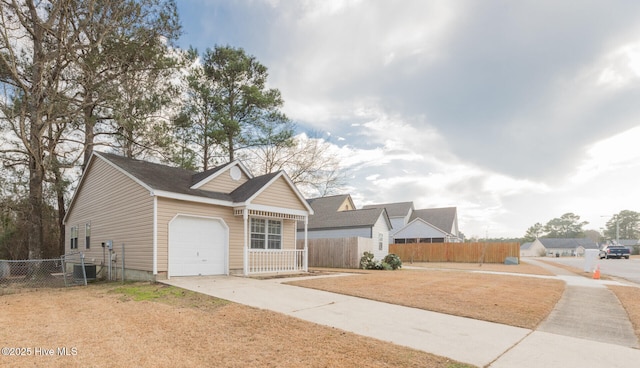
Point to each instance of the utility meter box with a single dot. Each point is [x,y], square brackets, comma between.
[109,244]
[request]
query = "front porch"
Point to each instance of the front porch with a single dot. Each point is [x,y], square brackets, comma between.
[273,252]
[277,261]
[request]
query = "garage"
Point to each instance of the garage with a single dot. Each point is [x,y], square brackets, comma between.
[197,246]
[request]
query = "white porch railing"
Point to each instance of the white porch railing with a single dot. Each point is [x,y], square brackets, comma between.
[277,260]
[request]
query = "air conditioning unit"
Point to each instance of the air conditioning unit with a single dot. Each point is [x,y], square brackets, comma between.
[89,269]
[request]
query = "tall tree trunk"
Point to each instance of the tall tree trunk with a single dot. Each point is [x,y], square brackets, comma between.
[36,129]
[62,211]
[36,206]
[231,150]
[89,135]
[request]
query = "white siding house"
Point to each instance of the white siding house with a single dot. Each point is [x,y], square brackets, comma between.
[335,217]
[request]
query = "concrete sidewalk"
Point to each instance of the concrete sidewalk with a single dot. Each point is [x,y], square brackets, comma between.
[467,340]
[588,310]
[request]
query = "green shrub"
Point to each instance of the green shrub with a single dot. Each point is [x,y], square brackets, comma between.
[393,261]
[390,262]
[368,263]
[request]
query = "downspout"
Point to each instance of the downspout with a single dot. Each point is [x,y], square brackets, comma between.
[306,245]
[155,235]
[245,218]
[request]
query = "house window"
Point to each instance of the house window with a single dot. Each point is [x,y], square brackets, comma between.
[266,234]
[87,235]
[380,241]
[74,237]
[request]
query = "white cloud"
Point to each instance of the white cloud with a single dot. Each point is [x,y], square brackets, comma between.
[510,114]
[621,66]
[608,156]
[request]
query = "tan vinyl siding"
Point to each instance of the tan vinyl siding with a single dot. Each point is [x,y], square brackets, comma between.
[279,194]
[289,229]
[223,183]
[346,206]
[118,209]
[169,208]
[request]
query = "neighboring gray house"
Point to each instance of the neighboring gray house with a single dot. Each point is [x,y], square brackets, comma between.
[565,246]
[336,217]
[399,213]
[529,250]
[431,225]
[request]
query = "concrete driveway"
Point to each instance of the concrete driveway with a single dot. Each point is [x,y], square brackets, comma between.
[435,333]
[480,343]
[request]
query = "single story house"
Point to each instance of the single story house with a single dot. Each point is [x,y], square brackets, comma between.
[565,246]
[175,222]
[336,217]
[531,249]
[431,225]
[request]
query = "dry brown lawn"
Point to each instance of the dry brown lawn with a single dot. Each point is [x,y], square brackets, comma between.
[513,300]
[176,328]
[629,297]
[522,268]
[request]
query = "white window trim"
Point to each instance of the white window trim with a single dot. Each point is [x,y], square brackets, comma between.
[73,234]
[87,235]
[266,233]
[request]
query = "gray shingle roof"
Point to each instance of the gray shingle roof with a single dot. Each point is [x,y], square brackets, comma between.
[327,216]
[442,218]
[251,187]
[398,209]
[178,180]
[329,204]
[525,246]
[568,243]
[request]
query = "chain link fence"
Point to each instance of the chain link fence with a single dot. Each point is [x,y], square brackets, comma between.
[24,275]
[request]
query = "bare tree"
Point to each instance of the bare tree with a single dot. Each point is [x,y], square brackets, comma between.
[61,63]
[311,163]
[34,51]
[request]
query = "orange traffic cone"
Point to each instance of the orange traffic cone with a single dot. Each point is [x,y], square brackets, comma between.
[596,273]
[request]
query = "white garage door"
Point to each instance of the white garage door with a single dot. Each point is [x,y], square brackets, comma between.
[197,246]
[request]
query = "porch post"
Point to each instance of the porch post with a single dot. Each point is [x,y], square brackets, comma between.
[306,245]
[245,218]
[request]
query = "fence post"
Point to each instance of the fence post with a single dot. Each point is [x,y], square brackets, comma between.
[123,263]
[64,270]
[84,272]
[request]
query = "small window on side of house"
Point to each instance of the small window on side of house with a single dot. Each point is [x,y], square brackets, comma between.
[73,235]
[87,235]
[380,241]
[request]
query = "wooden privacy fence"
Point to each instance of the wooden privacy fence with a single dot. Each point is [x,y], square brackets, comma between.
[456,252]
[336,253]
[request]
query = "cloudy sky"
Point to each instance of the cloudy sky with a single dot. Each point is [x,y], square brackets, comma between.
[515,112]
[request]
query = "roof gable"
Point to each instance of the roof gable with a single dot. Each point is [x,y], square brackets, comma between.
[398,209]
[252,189]
[331,204]
[444,218]
[280,194]
[236,171]
[419,228]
